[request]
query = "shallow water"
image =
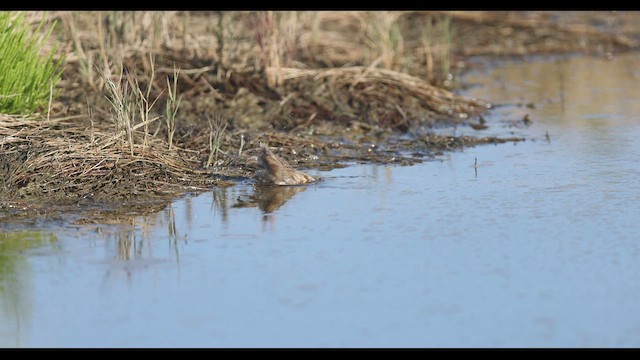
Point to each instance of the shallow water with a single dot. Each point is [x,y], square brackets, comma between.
[536,247]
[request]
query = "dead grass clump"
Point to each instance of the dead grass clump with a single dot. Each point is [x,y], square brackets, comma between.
[69,159]
[387,98]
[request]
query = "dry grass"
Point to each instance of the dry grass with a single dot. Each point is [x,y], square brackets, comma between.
[171,108]
[546,31]
[436,39]
[383,38]
[277,35]
[241,41]
[218,127]
[67,158]
[131,106]
[383,82]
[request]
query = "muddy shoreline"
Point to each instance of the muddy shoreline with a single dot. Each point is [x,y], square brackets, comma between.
[317,103]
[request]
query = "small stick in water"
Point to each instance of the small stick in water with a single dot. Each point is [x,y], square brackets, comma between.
[475,167]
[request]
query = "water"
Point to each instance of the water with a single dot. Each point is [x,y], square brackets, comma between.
[536,247]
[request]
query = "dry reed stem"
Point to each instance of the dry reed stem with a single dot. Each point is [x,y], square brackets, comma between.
[217,128]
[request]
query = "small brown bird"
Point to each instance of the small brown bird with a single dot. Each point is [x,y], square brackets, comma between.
[276,171]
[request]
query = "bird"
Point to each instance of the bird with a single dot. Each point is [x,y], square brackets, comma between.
[276,171]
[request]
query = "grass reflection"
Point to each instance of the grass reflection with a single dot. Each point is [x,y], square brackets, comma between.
[15,282]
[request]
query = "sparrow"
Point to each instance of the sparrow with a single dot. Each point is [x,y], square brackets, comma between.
[276,171]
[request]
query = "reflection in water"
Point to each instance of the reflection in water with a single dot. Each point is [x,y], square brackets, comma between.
[133,238]
[587,102]
[15,282]
[132,247]
[269,198]
[574,93]
[220,203]
[266,198]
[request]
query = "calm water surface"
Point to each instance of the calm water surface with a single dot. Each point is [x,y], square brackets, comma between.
[537,247]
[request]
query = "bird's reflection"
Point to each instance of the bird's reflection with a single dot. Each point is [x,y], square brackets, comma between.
[269,198]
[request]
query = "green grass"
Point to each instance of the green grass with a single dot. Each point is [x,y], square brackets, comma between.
[26,78]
